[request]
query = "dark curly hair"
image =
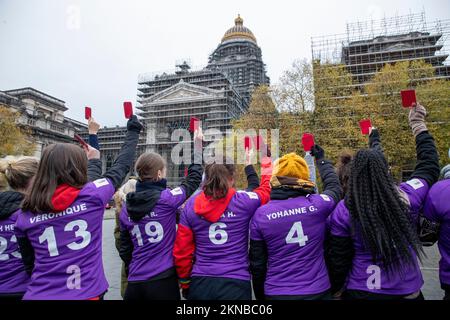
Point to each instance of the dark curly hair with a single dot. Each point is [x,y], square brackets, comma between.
[379,213]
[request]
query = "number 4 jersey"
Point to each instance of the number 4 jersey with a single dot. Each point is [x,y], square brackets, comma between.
[68,246]
[294,231]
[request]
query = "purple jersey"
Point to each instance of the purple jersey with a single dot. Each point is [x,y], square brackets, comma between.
[294,232]
[221,248]
[13,278]
[68,247]
[367,276]
[437,208]
[153,236]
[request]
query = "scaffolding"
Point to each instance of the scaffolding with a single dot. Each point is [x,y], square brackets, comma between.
[367,46]
[167,101]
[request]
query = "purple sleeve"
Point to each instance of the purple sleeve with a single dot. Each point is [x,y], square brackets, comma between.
[184,216]
[417,190]
[102,189]
[122,220]
[324,203]
[19,226]
[174,197]
[255,232]
[249,200]
[435,201]
[339,222]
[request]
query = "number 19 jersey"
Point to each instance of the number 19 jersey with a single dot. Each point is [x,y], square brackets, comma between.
[294,232]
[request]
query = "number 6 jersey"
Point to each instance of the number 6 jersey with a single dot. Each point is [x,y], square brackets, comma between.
[68,244]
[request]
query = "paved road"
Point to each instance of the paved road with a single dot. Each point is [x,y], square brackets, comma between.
[112,264]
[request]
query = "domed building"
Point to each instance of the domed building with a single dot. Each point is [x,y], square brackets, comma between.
[239,57]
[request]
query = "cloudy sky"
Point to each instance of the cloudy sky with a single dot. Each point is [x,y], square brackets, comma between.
[90,52]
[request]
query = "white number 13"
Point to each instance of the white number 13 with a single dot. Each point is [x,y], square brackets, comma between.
[49,236]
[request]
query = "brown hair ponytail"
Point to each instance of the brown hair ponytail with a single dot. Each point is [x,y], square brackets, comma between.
[217,179]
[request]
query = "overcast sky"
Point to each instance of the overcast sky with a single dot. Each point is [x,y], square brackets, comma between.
[95,60]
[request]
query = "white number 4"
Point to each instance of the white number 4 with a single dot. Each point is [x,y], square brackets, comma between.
[301,238]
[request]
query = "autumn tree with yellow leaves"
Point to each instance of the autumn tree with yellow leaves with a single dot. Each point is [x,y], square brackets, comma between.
[13,139]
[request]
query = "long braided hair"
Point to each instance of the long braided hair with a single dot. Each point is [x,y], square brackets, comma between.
[379,213]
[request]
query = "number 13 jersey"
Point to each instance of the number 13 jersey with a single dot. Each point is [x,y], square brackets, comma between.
[68,246]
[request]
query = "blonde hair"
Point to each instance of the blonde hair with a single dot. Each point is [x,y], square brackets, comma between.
[120,195]
[17,172]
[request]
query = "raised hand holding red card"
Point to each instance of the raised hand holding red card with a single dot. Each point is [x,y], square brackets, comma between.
[365,126]
[246,142]
[194,124]
[307,141]
[87,113]
[408,98]
[128,109]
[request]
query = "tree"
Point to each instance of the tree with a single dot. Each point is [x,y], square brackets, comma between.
[13,139]
[295,92]
[261,114]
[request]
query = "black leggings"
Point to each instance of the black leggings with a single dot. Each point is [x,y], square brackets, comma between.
[161,289]
[216,288]
[364,295]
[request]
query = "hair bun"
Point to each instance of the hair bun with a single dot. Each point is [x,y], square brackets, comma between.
[345,158]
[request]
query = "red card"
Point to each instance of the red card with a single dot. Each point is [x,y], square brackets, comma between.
[193,124]
[128,109]
[365,125]
[408,98]
[185,172]
[307,141]
[81,141]
[247,142]
[258,141]
[87,113]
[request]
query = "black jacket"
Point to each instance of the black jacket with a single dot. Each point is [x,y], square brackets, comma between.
[339,251]
[258,250]
[9,203]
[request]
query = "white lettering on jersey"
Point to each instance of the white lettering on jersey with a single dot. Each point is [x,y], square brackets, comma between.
[290,212]
[101,182]
[74,280]
[325,197]
[177,191]
[415,183]
[48,216]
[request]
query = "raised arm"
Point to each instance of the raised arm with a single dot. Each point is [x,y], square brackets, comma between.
[375,140]
[195,169]
[250,173]
[330,179]
[93,128]
[124,160]
[427,165]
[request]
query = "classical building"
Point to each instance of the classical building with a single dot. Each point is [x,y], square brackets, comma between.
[168,101]
[239,57]
[216,94]
[43,115]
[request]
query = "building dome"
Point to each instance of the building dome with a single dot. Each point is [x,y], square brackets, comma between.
[238,32]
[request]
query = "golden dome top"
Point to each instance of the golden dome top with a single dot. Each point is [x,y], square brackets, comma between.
[238,31]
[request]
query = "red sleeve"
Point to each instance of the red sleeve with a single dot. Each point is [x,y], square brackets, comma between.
[263,190]
[183,253]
